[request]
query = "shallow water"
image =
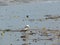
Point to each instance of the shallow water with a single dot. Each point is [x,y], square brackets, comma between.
[15,17]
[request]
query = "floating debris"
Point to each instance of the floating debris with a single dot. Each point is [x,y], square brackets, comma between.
[45,35]
[52,30]
[24,39]
[47,39]
[23,36]
[27,16]
[53,17]
[31,33]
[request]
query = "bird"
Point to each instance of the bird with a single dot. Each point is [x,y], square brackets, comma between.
[26,27]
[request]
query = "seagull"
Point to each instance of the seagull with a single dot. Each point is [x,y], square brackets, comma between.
[26,27]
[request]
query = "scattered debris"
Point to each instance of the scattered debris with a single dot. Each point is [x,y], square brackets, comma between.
[23,36]
[47,39]
[45,35]
[31,33]
[52,17]
[24,39]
